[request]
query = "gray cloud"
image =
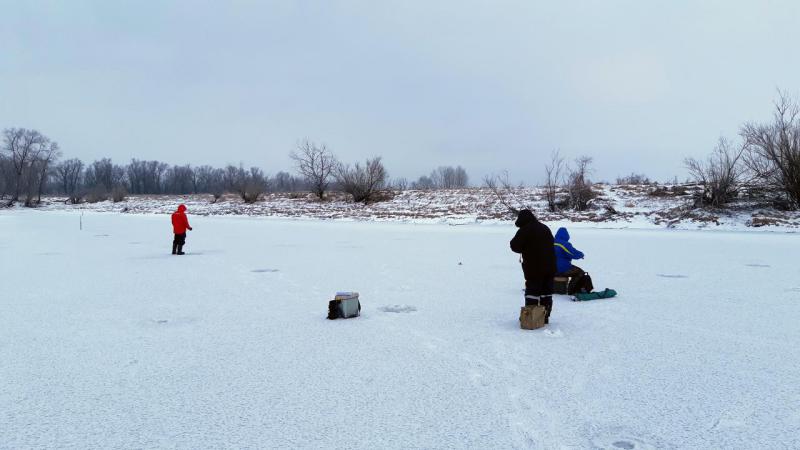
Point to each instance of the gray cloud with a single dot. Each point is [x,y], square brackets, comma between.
[491,85]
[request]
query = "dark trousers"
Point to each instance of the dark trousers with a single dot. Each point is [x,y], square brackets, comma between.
[539,291]
[178,243]
[579,281]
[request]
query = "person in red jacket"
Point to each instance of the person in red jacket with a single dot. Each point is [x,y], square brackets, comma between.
[180,223]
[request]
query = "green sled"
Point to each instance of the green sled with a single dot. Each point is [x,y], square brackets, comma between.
[586,296]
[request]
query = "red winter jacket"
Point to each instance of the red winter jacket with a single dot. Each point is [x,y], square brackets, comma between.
[179,220]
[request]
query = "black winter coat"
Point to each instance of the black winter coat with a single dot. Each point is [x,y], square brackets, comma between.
[534,241]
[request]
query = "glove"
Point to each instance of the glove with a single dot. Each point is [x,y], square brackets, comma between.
[190,228]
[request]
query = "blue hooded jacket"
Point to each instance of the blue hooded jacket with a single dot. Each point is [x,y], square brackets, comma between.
[565,252]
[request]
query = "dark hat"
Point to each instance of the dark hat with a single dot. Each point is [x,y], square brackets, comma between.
[525,217]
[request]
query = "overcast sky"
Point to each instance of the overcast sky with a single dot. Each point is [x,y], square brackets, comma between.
[490,85]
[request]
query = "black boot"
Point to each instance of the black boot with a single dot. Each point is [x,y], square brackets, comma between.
[547,302]
[174,248]
[180,250]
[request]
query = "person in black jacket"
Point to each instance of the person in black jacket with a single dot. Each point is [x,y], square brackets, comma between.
[534,241]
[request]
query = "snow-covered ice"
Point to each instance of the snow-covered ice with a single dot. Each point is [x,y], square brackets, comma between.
[107,341]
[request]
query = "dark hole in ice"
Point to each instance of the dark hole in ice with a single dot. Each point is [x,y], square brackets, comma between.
[624,445]
[170,323]
[670,275]
[264,270]
[398,308]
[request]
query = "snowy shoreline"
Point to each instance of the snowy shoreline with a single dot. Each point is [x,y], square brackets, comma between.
[443,222]
[616,207]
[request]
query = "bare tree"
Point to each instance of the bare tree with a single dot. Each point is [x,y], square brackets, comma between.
[20,153]
[25,150]
[249,184]
[119,193]
[400,184]
[146,177]
[206,177]
[553,178]
[316,164]
[6,175]
[579,187]
[96,194]
[424,183]
[93,179]
[460,178]
[449,177]
[634,179]
[211,180]
[505,192]
[365,183]
[180,180]
[773,150]
[720,175]
[47,157]
[231,177]
[102,179]
[69,174]
[286,182]
[105,174]
[254,186]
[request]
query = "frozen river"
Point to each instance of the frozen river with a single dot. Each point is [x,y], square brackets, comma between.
[107,341]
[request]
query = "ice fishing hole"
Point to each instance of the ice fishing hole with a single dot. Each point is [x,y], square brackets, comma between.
[624,445]
[398,308]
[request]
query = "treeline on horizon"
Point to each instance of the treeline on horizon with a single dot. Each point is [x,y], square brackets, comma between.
[766,155]
[31,166]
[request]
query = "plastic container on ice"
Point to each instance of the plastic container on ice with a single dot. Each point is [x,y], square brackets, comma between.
[344,306]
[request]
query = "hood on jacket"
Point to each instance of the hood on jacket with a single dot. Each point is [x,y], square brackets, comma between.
[562,234]
[524,218]
[181,208]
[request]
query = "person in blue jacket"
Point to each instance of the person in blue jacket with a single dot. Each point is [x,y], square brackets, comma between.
[580,281]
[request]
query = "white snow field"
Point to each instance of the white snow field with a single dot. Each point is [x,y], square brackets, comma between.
[107,341]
